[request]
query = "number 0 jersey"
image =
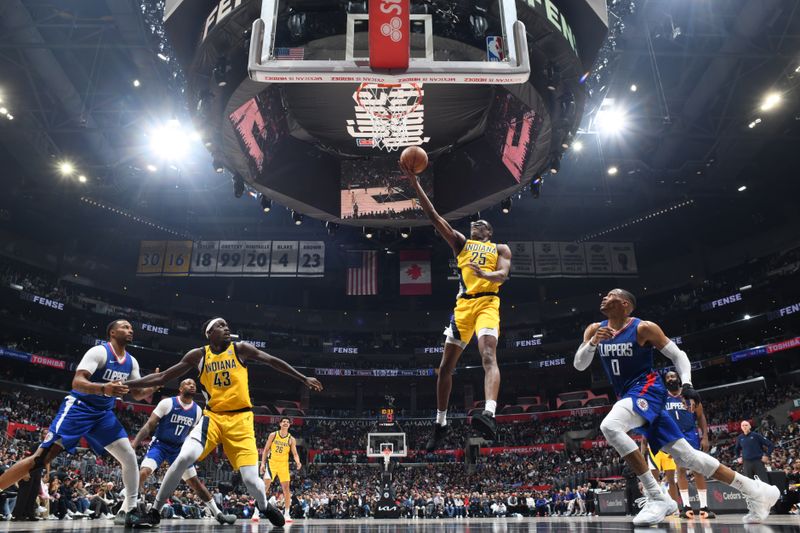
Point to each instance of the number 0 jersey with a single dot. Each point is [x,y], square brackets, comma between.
[624,360]
[483,254]
[224,381]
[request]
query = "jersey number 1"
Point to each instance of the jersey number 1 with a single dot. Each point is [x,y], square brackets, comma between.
[615,367]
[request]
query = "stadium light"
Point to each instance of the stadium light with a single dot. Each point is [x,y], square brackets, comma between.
[771,100]
[577,146]
[612,170]
[66,168]
[137,83]
[747,317]
[634,88]
[170,141]
[297,218]
[152,168]
[610,119]
[755,123]
[368,232]
[405,232]
[266,204]
[505,206]
[3,111]
[82,178]
[219,168]
[9,116]
[742,188]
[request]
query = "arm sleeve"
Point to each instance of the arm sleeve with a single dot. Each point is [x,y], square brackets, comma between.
[682,364]
[584,356]
[163,407]
[135,374]
[93,359]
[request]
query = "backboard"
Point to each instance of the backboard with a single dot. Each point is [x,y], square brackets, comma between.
[377,443]
[389,41]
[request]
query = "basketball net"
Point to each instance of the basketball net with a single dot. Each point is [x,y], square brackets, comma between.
[388,109]
[387,456]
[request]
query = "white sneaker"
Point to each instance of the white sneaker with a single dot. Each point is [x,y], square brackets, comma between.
[287,518]
[759,506]
[655,511]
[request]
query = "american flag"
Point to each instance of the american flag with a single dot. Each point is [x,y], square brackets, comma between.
[362,272]
[290,53]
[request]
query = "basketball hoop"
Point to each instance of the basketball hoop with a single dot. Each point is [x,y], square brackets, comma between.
[388,108]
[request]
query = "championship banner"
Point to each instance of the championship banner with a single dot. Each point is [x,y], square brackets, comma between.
[623,258]
[177,258]
[151,258]
[284,259]
[256,258]
[415,272]
[230,259]
[522,259]
[312,259]
[204,258]
[598,258]
[547,259]
[573,259]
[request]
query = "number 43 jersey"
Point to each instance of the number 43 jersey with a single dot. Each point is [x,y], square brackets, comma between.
[176,420]
[224,381]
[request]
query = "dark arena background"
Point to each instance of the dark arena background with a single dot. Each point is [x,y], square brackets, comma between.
[169,162]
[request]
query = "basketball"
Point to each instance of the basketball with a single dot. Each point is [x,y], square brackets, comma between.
[415,159]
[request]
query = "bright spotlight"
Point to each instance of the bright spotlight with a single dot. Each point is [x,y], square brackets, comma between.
[742,188]
[82,178]
[137,83]
[771,101]
[577,146]
[152,168]
[3,111]
[610,120]
[170,141]
[10,116]
[612,170]
[747,317]
[634,88]
[66,168]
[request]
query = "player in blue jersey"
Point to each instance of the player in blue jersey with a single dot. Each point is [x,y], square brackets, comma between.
[690,417]
[625,345]
[170,424]
[88,411]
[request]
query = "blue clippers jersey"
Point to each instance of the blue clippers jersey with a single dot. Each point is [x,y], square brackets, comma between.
[113,371]
[686,419]
[176,425]
[624,361]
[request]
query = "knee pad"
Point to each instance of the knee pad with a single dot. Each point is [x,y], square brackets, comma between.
[692,459]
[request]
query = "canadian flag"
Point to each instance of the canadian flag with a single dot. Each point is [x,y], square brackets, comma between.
[415,272]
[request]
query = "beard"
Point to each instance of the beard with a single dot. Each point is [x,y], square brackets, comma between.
[673,386]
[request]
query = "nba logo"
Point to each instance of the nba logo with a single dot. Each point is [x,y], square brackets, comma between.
[494,48]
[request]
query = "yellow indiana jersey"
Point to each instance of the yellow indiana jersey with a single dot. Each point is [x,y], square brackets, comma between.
[224,381]
[279,451]
[483,254]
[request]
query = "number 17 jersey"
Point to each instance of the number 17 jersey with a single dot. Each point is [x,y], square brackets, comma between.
[176,420]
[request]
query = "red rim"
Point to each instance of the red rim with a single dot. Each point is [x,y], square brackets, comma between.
[388,86]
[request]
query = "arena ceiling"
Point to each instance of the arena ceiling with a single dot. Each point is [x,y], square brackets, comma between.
[701,70]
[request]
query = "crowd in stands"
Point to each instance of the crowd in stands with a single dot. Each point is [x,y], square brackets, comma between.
[335,485]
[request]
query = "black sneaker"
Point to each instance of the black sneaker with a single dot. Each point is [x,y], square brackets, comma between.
[132,519]
[225,518]
[154,515]
[485,424]
[705,513]
[687,512]
[274,515]
[439,433]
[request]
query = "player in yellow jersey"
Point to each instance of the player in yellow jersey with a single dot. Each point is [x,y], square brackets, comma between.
[275,461]
[228,416]
[483,267]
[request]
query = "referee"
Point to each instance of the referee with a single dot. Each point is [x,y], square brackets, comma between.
[750,450]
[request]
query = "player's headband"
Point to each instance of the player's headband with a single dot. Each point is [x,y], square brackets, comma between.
[211,325]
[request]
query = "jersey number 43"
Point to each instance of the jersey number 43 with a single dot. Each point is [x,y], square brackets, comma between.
[222,379]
